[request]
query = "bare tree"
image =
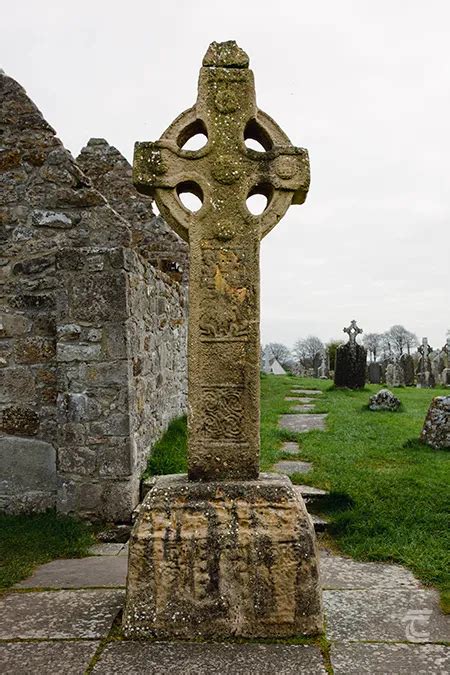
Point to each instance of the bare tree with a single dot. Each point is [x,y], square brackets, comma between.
[305,350]
[280,352]
[400,340]
[372,342]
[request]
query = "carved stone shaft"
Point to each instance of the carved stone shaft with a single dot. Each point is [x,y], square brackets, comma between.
[223,346]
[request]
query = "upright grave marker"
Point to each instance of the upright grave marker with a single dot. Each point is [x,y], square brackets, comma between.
[350,370]
[224,551]
[424,375]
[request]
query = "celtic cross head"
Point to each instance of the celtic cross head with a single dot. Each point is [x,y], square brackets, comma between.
[225,172]
[352,332]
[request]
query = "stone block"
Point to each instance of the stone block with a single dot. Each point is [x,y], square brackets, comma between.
[27,474]
[369,659]
[99,296]
[16,385]
[114,458]
[210,659]
[12,325]
[436,428]
[34,350]
[59,616]
[67,351]
[19,421]
[93,571]
[77,460]
[119,498]
[226,558]
[46,658]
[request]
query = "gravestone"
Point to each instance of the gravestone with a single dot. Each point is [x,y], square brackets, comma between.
[324,371]
[375,372]
[445,375]
[425,379]
[436,428]
[223,551]
[351,359]
[384,400]
[317,360]
[394,375]
[407,365]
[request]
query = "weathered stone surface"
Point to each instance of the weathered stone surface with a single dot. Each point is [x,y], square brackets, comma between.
[337,572]
[310,495]
[436,428]
[384,400]
[407,365]
[289,468]
[93,571]
[109,549]
[27,474]
[357,659]
[224,238]
[46,658]
[350,368]
[309,392]
[93,355]
[383,614]
[302,423]
[302,408]
[300,399]
[375,372]
[245,561]
[59,616]
[394,375]
[210,659]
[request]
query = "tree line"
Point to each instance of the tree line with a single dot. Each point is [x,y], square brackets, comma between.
[393,343]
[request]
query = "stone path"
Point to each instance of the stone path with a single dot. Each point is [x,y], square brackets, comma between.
[379,619]
[301,424]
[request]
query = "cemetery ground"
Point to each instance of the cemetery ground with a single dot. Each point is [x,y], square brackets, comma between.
[388,492]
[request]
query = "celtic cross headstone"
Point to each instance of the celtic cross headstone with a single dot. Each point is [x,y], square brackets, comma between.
[350,368]
[225,551]
[425,379]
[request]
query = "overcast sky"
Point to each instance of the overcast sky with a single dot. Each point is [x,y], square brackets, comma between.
[364,85]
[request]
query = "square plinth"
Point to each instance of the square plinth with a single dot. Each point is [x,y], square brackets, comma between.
[223,559]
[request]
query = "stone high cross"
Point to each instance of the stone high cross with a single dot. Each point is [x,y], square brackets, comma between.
[223,236]
[424,350]
[352,331]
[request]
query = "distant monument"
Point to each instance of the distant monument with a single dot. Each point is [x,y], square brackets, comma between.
[225,551]
[351,359]
[445,375]
[407,365]
[394,375]
[425,379]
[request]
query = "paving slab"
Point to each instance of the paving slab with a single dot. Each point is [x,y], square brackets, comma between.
[302,423]
[308,392]
[394,615]
[46,658]
[289,468]
[356,659]
[108,549]
[300,399]
[290,448]
[58,615]
[209,659]
[344,573]
[98,571]
[320,524]
[302,408]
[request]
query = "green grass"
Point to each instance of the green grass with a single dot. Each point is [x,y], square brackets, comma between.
[30,540]
[389,494]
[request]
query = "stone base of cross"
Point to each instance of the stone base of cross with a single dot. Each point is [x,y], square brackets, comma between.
[224,551]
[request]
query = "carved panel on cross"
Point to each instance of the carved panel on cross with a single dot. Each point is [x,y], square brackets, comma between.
[222,413]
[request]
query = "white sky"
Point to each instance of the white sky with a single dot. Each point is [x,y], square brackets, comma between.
[364,85]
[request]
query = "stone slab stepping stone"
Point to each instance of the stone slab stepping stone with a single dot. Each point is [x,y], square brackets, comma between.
[290,448]
[302,423]
[311,494]
[43,658]
[98,571]
[320,524]
[209,659]
[300,399]
[358,659]
[390,615]
[59,615]
[289,468]
[308,392]
[302,408]
[344,573]
[109,549]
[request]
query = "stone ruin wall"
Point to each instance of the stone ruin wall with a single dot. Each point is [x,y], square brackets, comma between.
[92,336]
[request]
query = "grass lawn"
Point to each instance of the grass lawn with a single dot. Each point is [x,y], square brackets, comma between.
[27,541]
[389,494]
